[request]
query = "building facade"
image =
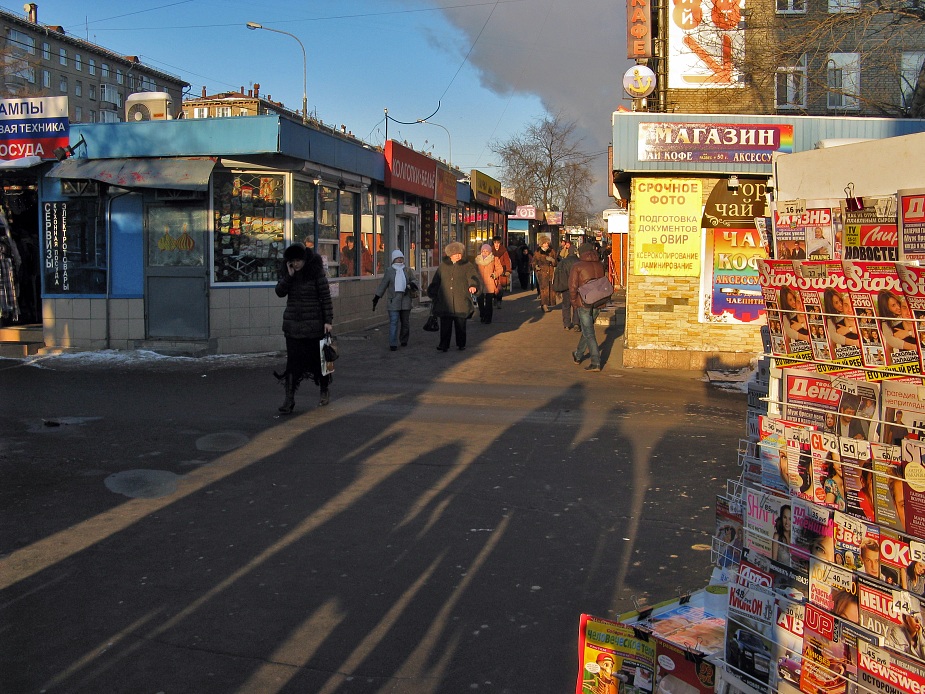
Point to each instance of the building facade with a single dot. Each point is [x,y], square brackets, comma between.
[42,60]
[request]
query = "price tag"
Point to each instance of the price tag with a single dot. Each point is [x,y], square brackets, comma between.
[792,206]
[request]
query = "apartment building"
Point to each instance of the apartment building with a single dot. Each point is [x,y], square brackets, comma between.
[43,60]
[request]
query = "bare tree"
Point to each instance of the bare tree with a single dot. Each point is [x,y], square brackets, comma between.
[546,167]
[19,73]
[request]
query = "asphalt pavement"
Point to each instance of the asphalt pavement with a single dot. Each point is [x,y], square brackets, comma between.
[438,528]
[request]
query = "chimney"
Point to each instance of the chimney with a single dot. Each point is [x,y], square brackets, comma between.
[257,90]
[241,90]
[250,92]
[32,12]
[203,91]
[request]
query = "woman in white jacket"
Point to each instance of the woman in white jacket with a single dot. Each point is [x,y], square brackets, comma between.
[398,282]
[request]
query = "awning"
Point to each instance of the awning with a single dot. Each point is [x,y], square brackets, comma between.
[21,163]
[175,173]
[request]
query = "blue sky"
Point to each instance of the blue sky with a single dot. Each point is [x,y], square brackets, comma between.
[489,68]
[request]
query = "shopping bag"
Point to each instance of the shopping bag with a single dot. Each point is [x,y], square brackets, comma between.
[432,325]
[328,349]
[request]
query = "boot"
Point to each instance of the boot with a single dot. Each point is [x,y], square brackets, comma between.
[289,403]
[325,397]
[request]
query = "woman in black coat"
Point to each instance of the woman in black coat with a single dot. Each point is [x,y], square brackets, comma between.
[309,314]
[451,289]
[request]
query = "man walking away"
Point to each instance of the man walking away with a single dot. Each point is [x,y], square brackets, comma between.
[587,268]
[560,285]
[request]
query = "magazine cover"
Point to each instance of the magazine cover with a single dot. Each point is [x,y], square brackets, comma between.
[833,589]
[728,531]
[611,658]
[688,626]
[882,670]
[787,323]
[913,286]
[805,236]
[842,332]
[767,524]
[879,613]
[888,486]
[903,411]
[871,233]
[911,506]
[858,473]
[877,295]
[836,404]
[812,535]
[857,544]
[827,659]
[828,482]
[787,651]
[749,633]
[678,673]
[911,211]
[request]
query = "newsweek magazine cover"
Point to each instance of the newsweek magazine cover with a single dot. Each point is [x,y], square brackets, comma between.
[787,647]
[911,511]
[851,536]
[913,286]
[787,323]
[880,670]
[827,660]
[610,655]
[750,632]
[833,589]
[871,233]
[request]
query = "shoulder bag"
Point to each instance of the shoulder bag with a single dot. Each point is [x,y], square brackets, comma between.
[597,292]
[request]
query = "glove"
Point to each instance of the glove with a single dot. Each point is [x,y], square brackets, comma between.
[375,301]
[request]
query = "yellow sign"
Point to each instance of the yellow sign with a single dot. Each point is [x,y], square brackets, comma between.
[667,238]
[486,189]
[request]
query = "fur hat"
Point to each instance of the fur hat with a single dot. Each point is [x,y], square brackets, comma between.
[453,248]
[541,239]
[294,252]
[397,254]
[586,248]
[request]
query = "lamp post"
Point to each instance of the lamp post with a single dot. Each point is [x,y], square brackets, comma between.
[254,25]
[449,139]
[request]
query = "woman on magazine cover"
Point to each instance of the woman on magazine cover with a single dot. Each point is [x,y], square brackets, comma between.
[780,542]
[834,484]
[898,329]
[841,325]
[795,324]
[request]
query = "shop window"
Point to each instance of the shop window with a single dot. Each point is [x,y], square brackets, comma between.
[249,226]
[369,238]
[327,243]
[175,236]
[75,247]
[355,257]
[303,212]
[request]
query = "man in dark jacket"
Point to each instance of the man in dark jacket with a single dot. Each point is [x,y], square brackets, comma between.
[587,268]
[451,289]
[567,259]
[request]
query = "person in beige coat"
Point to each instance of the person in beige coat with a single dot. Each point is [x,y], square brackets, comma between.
[490,270]
[544,268]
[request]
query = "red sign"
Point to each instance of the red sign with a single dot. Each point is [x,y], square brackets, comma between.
[638,29]
[409,171]
[446,186]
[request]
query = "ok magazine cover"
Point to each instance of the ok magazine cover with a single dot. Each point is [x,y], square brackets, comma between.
[612,658]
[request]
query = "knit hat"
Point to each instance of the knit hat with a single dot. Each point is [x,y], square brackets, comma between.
[586,248]
[454,248]
[294,252]
[397,254]
[486,247]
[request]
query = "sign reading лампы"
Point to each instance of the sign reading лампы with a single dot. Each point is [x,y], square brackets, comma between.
[708,143]
[667,236]
[33,127]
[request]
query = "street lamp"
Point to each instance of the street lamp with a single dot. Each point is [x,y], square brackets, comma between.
[449,139]
[254,25]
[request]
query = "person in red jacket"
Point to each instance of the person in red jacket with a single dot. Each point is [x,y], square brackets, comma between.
[504,257]
[587,268]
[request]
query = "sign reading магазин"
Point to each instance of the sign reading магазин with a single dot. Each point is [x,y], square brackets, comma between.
[33,127]
[708,143]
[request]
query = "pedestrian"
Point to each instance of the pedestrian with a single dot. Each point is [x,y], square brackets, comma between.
[524,267]
[587,268]
[452,289]
[544,266]
[307,318]
[560,284]
[397,285]
[505,280]
[490,272]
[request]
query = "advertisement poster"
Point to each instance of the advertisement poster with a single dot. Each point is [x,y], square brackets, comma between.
[731,292]
[667,238]
[612,658]
[911,207]
[706,44]
[33,127]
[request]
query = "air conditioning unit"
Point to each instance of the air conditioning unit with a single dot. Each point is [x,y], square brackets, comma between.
[147,106]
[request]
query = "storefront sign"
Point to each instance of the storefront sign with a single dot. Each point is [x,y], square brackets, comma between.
[638,29]
[912,224]
[554,217]
[731,290]
[446,186]
[32,127]
[736,207]
[428,224]
[706,44]
[639,82]
[486,189]
[710,143]
[524,212]
[410,171]
[667,238]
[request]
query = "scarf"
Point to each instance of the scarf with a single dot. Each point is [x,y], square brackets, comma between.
[485,260]
[401,282]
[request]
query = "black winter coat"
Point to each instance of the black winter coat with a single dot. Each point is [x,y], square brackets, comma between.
[449,288]
[308,299]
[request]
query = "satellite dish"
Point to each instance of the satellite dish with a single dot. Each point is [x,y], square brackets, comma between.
[139,112]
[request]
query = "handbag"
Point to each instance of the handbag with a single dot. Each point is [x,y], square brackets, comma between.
[597,292]
[432,325]
[412,288]
[329,347]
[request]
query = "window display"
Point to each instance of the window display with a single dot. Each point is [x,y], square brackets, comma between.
[249,226]
[75,248]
